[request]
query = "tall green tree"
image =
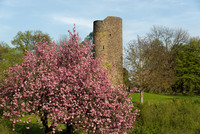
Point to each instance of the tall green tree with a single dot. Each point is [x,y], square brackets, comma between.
[26,40]
[188,67]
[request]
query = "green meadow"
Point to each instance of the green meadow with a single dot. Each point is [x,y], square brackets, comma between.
[157,98]
[167,114]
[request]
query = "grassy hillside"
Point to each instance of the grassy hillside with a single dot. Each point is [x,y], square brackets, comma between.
[156,98]
[167,114]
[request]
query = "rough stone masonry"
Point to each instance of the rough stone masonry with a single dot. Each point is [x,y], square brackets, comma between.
[108,46]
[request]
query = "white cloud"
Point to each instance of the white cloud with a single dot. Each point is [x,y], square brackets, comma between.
[70,21]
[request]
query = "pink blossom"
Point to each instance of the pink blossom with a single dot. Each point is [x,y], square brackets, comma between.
[66,84]
[134,90]
[27,127]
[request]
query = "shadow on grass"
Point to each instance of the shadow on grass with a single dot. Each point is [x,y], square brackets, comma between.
[20,128]
[34,128]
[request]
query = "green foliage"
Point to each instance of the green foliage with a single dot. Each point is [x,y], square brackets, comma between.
[4,129]
[188,67]
[126,80]
[176,116]
[108,66]
[8,57]
[26,41]
[4,48]
[89,37]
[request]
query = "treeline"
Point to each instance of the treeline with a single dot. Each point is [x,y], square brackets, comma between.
[22,41]
[166,60]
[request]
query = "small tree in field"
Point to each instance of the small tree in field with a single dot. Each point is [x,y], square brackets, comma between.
[65,84]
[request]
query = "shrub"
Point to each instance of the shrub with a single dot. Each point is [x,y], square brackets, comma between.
[177,116]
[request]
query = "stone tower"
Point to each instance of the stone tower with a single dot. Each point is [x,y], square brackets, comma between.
[108,46]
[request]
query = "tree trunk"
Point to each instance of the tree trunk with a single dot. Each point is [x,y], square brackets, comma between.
[70,129]
[141,96]
[48,130]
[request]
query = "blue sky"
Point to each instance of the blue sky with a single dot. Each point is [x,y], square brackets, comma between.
[56,17]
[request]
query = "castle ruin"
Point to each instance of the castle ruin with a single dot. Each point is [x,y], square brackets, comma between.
[108,46]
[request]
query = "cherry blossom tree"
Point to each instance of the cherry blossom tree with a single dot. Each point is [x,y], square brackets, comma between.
[65,84]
